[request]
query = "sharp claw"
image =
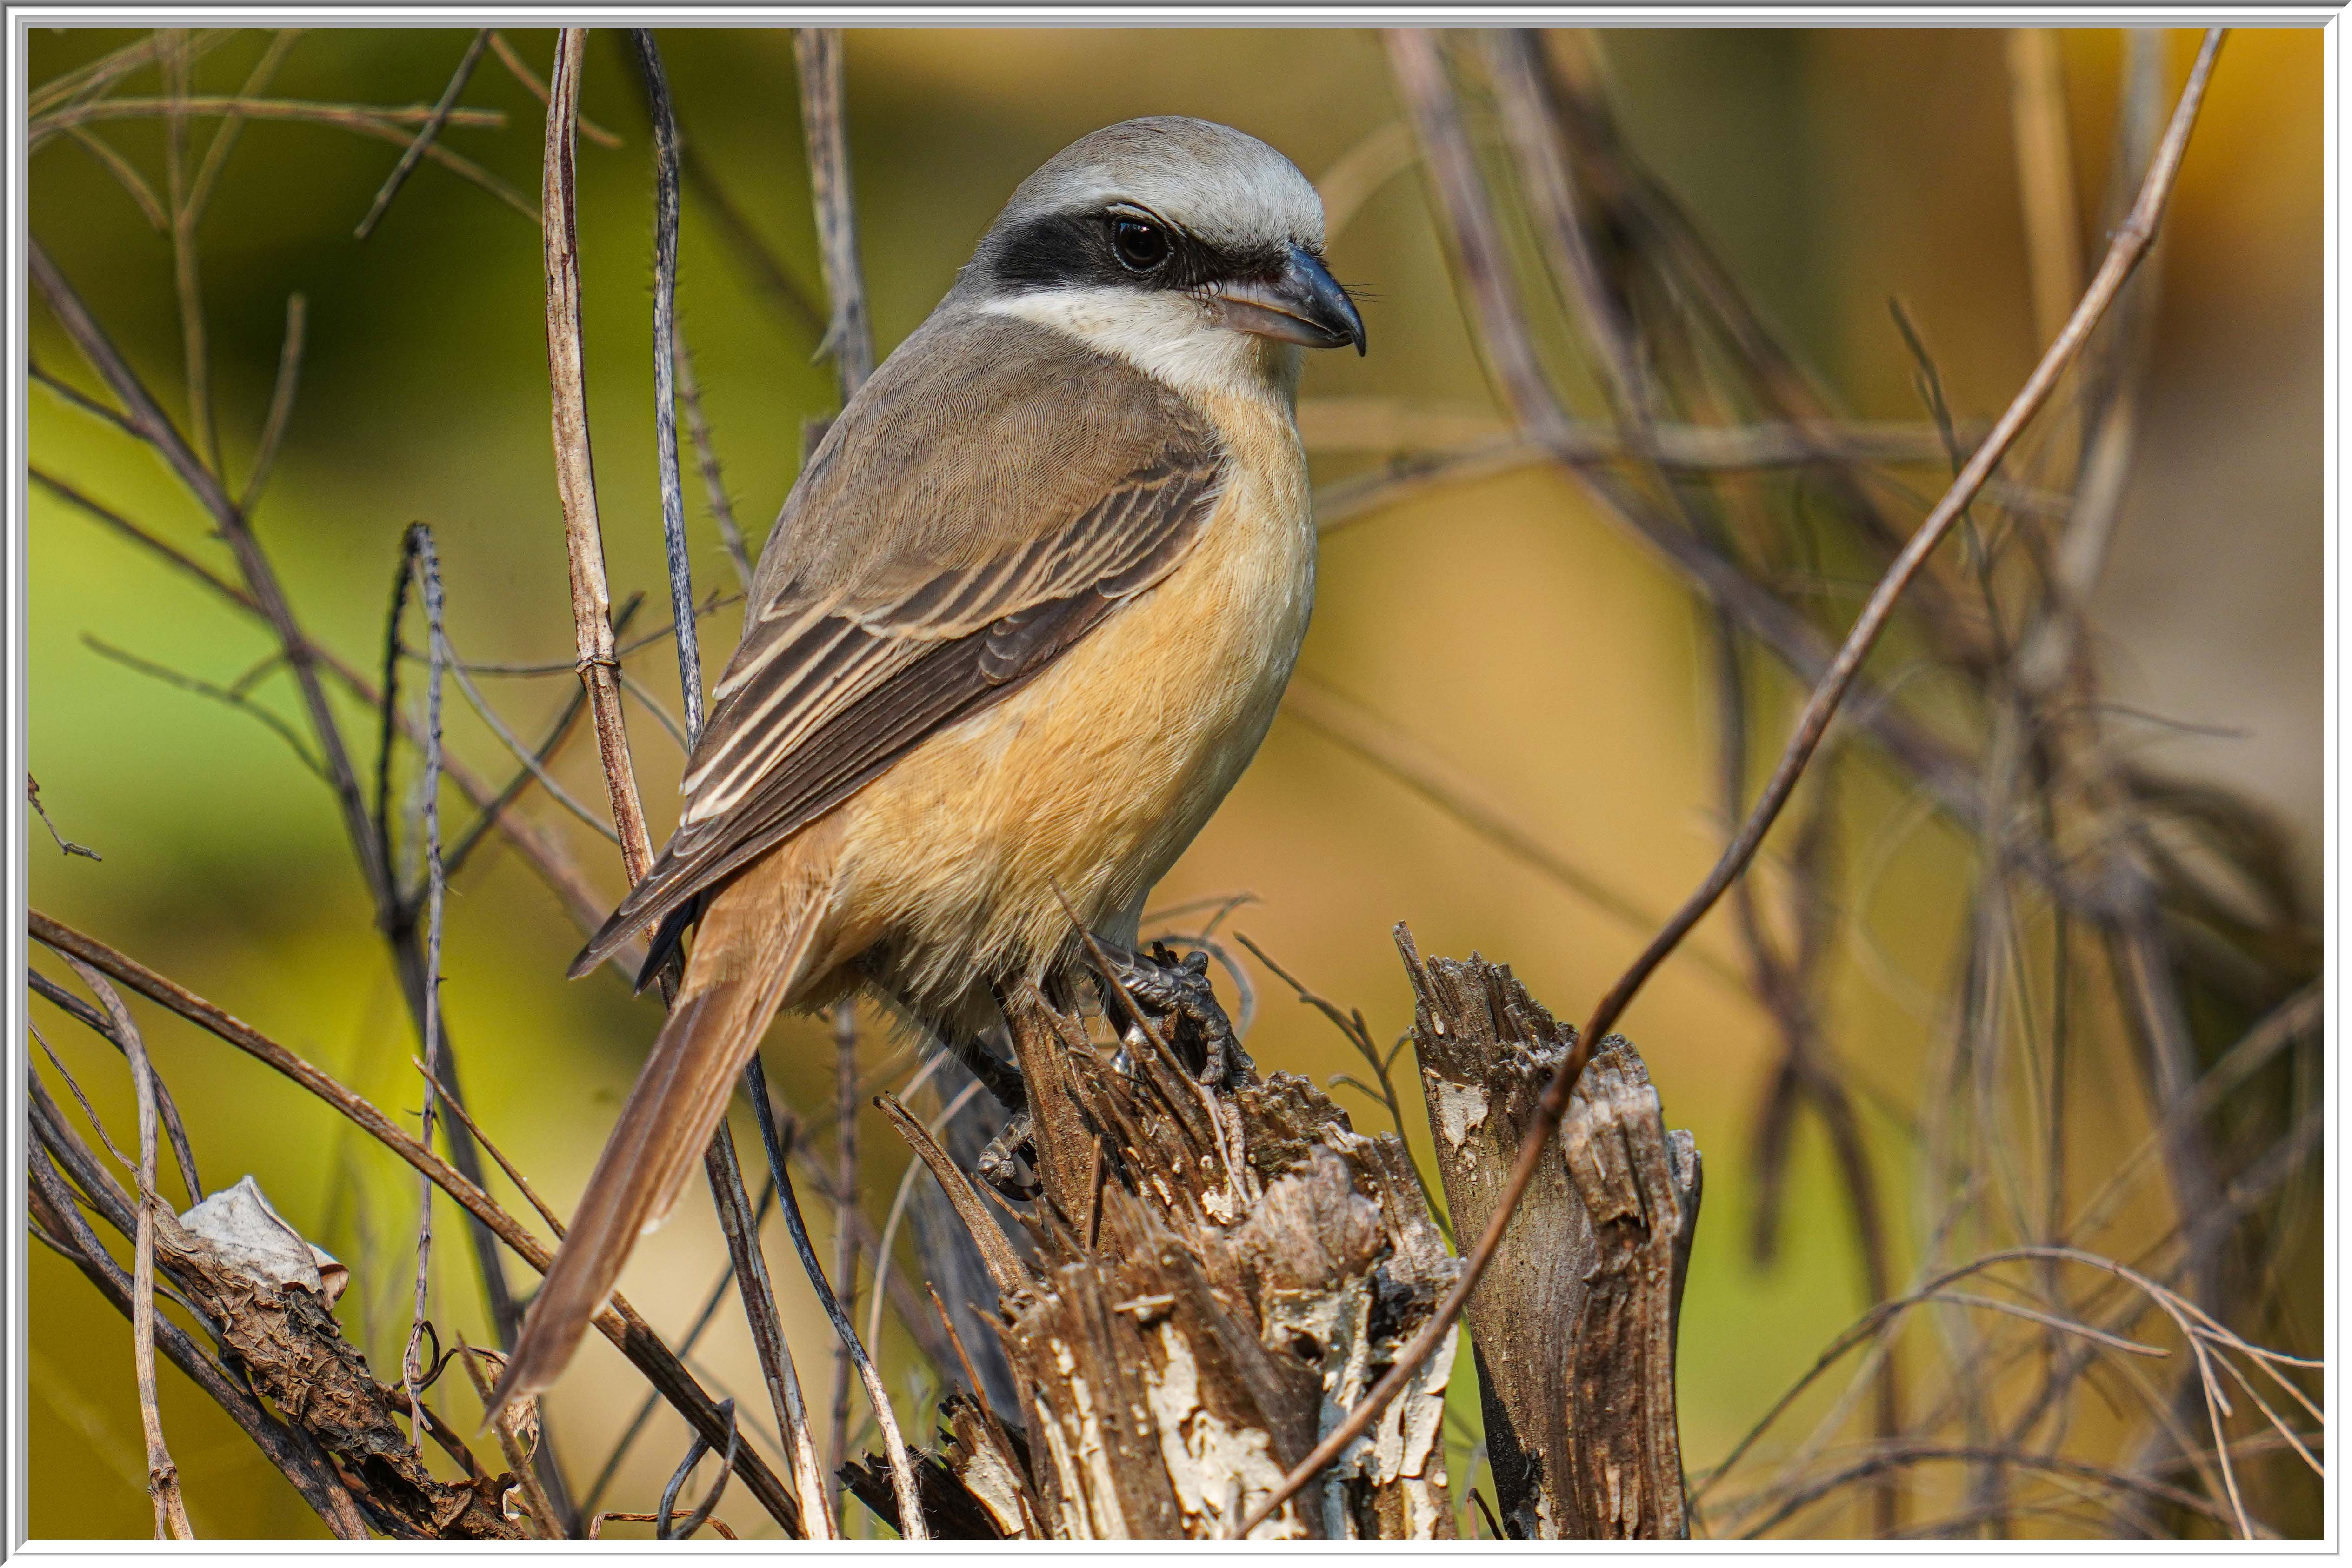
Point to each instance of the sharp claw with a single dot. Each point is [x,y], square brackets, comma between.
[996,1164]
[1181,990]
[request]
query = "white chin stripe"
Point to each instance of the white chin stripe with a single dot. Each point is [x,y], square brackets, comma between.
[1166,335]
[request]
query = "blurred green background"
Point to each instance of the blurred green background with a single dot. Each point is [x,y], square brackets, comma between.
[1502,623]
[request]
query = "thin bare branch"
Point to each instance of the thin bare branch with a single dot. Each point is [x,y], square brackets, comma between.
[1413,55]
[1421,770]
[575,473]
[765,1325]
[902,1473]
[134,183]
[538,88]
[426,134]
[417,555]
[108,68]
[281,403]
[774,281]
[200,687]
[487,820]
[705,457]
[66,846]
[2046,176]
[849,333]
[225,134]
[183,1153]
[163,1474]
[619,1323]
[522,754]
[201,106]
[666,362]
[57,1221]
[898,1202]
[844,1235]
[645,699]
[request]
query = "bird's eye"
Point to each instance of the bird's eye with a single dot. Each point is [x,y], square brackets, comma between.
[1141,246]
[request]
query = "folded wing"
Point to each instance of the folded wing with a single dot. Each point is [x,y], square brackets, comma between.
[993,495]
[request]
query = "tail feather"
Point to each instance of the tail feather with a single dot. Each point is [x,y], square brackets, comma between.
[758,938]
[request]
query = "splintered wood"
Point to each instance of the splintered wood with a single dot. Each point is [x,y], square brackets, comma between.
[1574,1322]
[1207,1277]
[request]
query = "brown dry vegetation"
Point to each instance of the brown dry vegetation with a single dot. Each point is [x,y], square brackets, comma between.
[2005,1054]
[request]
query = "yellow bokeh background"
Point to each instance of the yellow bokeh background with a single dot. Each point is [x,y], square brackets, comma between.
[1503,622]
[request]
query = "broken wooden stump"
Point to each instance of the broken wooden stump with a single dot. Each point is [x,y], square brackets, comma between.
[1574,1326]
[1221,1270]
[1214,1268]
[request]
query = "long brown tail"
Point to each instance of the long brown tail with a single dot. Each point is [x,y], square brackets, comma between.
[756,947]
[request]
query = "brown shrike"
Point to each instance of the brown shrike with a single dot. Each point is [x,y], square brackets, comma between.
[1024,620]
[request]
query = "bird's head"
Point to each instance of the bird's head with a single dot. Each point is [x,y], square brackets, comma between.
[1177,242]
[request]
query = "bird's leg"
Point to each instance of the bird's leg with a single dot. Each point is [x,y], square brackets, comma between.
[1179,990]
[997,1166]
[1002,1080]
[999,1077]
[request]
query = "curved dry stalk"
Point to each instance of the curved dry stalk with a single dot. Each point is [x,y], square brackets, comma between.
[281,403]
[419,557]
[224,106]
[196,686]
[163,1474]
[183,1154]
[902,1473]
[134,183]
[487,819]
[849,333]
[619,1323]
[538,88]
[600,674]
[55,1221]
[905,1194]
[575,473]
[443,652]
[651,704]
[2130,243]
[666,362]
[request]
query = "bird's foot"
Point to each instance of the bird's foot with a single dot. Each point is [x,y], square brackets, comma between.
[1000,1162]
[1179,991]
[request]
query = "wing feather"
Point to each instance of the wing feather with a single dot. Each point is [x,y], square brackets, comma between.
[903,593]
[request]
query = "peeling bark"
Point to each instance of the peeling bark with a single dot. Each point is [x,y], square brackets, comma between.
[267,1294]
[1573,1326]
[1219,1273]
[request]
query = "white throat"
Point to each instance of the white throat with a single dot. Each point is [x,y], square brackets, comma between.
[1168,336]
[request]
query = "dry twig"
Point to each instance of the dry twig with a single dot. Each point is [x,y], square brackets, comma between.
[2124,252]
[424,135]
[619,1322]
[163,1474]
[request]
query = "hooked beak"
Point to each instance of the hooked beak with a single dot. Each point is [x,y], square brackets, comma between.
[1301,304]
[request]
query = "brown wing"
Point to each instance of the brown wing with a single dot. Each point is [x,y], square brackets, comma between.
[994,493]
